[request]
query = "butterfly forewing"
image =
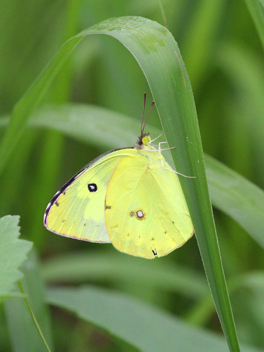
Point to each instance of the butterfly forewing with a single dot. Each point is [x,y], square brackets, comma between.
[77,210]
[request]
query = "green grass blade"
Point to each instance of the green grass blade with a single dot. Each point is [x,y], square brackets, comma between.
[146,328]
[256,9]
[33,317]
[159,57]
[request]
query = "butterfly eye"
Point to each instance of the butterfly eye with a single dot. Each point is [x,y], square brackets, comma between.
[92,187]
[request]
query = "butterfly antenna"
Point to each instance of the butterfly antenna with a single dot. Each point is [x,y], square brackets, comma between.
[143,112]
[142,130]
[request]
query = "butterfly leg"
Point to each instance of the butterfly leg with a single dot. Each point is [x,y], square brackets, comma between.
[156,138]
[161,150]
[176,172]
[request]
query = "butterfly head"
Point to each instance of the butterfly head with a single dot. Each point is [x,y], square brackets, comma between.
[142,141]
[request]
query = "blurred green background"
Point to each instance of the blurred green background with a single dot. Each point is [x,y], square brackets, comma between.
[224,60]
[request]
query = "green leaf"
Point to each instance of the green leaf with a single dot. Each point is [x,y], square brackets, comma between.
[144,327]
[256,9]
[13,253]
[159,57]
[22,329]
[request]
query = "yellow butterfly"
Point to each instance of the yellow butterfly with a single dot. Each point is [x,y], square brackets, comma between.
[129,197]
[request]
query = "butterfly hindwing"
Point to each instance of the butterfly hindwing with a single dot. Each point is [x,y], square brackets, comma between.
[146,212]
[77,210]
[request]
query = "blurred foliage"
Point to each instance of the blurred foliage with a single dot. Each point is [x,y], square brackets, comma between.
[224,58]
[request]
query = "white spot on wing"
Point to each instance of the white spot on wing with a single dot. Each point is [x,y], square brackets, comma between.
[140,214]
